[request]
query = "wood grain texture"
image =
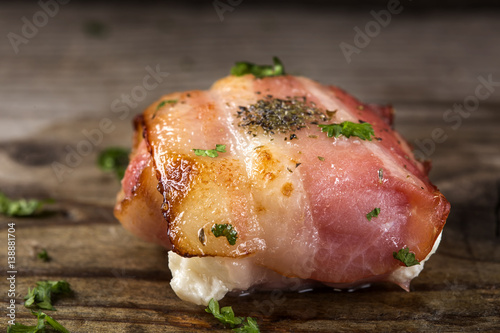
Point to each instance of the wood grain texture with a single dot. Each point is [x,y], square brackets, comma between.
[64,80]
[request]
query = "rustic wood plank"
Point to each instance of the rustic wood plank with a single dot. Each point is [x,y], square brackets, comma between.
[64,80]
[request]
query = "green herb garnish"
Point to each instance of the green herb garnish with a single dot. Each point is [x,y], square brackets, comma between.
[321,158]
[224,315]
[259,71]
[364,131]
[406,257]
[41,295]
[21,207]
[43,319]
[225,230]
[373,213]
[43,255]
[227,318]
[114,159]
[160,105]
[95,28]
[211,152]
[249,327]
[168,101]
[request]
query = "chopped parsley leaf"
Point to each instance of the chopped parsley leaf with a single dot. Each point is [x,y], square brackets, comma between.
[406,257]
[227,318]
[21,207]
[43,255]
[162,103]
[225,230]
[363,131]
[20,328]
[224,315]
[259,71]
[41,295]
[249,327]
[373,213]
[210,152]
[321,158]
[114,159]
[40,327]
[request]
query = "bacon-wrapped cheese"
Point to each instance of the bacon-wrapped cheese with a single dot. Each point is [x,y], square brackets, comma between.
[292,190]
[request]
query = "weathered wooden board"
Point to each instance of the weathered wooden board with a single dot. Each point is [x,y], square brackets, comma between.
[63,82]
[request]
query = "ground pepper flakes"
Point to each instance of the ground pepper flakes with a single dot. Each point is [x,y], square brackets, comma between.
[275,115]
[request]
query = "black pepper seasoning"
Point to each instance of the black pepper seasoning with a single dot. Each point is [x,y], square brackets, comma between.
[275,115]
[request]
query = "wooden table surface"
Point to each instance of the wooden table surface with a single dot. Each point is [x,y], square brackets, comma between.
[68,74]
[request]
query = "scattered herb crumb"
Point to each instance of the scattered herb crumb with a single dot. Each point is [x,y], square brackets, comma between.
[363,131]
[159,106]
[201,236]
[225,230]
[249,327]
[21,207]
[95,28]
[226,316]
[210,152]
[380,175]
[330,114]
[163,103]
[259,71]
[114,159]
[406,257]
[373,213]
[42,320]
[321,158]
[41,295]
[43,256]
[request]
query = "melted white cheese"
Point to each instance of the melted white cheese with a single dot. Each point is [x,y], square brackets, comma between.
[404,275]
[198,279]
